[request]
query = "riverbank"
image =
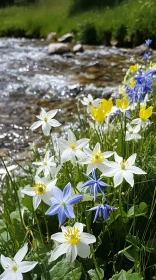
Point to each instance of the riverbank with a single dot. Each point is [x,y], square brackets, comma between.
[128,24]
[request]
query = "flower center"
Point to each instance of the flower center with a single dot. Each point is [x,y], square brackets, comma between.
[63,203]
[97,156]
[123,164]
[72,146]
[39,188]
[14,268]
[45,163]
[45,119]
[72,236]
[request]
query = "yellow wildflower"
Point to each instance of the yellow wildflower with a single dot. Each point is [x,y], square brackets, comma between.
[98,114]
[144,113]
[122,104]
[134,68]
[132,83]
[106,105]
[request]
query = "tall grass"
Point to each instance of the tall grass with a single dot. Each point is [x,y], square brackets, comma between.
[130,23]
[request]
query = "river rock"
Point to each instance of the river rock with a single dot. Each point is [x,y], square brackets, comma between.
[140,49]
[65,38]
[51,36]
[78,48]
[58,48]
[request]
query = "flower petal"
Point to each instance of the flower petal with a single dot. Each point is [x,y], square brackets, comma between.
[87,238]
[58,194]
[71,137]
[7,275]
[129,177]
[131,159]
[80,226]
[21,254]
[54,123]
[108,154]
[67,155]
[68,210]
[60,250]
[29,191]
[61,215]
[136,170]
[6,262]
[36,201]
[59,237]
[74,198]
[46,129]
[53,210]
[36,125]
[118,178]
[67,191]
[71,253]
[52,113]
[26,266]
[82,143]
[83,250]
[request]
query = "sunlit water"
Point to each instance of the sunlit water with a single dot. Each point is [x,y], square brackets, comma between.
[31,79]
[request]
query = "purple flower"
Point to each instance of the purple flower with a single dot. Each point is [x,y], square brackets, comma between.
[94,184]
[148,42]
[147,56]
[102,211]
[62,203]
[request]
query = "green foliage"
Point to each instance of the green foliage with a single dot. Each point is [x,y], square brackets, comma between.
[123,275]
[87,34]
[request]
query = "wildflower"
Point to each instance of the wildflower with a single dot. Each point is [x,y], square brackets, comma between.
[144,115]
[99,114]
[132,133]
[74,242]
[102,211]
[90,102]
[46,120]
[15,267]
[45,164]
[148,42]
[5,171]
[123,104]
[134,68]
[41,190]
[95,184]
[72,148]
[123,169]
[96,159]
[147,56]
[62,203]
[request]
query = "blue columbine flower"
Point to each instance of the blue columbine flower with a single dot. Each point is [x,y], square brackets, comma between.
[94,184]
[62,203]
[148,42]
[147,56]
[102,211]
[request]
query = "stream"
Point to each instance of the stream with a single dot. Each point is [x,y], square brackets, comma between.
[31,79]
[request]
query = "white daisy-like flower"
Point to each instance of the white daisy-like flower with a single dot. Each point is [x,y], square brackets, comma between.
[132,133]
[72,148]
[3,171]
[45,165]
[46,121]
[74,242]
[123,169]
[42,190]
[89,102]
[15,267]
[96,159]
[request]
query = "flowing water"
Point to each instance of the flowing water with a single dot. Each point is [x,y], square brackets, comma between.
[31,79]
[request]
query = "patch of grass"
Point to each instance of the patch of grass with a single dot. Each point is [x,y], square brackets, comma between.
[130,23]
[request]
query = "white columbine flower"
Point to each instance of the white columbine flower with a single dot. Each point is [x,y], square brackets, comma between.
[46,120]
[96,159]
[41,190]
[72,148]
[132,133]
[89,102]
[74,242]
[45,164]
[15,267]
[123,169]
[3,171]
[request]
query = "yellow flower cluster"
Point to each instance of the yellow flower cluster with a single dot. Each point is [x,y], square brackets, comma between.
[102,111]
[144,113]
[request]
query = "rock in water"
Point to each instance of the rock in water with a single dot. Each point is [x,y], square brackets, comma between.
[78,48]
[58,48]
[51,36]
[65,38]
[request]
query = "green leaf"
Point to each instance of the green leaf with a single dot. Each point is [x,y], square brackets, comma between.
[143,208]
[64,271]
[123,275]
[93,274]
[27,202]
